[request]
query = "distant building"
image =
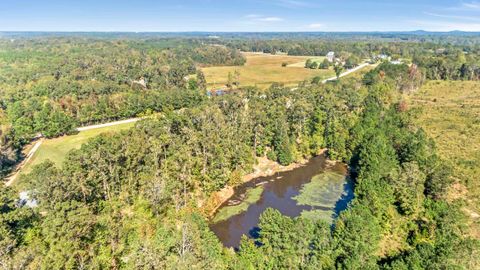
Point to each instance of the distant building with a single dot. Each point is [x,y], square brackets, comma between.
[330,56]
[396,62]
[384,57]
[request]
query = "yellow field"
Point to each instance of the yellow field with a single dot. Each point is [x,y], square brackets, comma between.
[450,114]
[264,69]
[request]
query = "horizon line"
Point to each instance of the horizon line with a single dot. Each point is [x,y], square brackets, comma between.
[208,31]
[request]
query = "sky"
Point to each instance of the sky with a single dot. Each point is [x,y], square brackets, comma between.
[239,15]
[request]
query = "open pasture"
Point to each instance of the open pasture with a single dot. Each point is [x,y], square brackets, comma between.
[264,69]
[56,149]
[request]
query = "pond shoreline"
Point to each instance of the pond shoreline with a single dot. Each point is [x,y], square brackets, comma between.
[263,168]
[316,188]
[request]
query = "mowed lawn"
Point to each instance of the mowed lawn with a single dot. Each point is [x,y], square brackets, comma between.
[317,59]
[264,69]
[56,149]
[450,114]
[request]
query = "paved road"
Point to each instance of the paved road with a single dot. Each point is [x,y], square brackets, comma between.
[30,154]
[131,120]
[346,72]
[341,75]
[12,178]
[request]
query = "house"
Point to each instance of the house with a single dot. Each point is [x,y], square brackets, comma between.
[384,57]
[396,62]
[330,56]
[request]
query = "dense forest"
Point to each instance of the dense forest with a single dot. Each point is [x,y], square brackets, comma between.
[140,199]
[137,199]
[51,86]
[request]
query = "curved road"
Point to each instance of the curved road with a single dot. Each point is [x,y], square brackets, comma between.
[35,147]
[12,178]
[346,72]
[131,120]
[343,74]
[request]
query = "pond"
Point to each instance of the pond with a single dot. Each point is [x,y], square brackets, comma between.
[317,190]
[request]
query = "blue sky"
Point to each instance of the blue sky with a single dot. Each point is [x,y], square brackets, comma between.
[233,15]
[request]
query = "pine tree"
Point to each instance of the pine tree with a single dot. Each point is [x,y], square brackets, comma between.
[282,144]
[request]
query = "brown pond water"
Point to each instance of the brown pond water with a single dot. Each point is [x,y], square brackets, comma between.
[279,191]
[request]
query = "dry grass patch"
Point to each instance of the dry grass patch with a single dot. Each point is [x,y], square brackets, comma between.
[450,114]
[56,149]
[264,69]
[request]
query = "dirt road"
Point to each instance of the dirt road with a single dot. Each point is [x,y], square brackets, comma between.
[11,179]
[346,72]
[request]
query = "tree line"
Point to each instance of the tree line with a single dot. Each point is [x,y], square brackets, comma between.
[50,86]
[438,60]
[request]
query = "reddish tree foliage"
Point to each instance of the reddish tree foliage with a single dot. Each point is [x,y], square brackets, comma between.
[402,106]
[381,74]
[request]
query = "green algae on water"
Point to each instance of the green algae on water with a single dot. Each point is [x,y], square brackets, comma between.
[252,196]
[324,190]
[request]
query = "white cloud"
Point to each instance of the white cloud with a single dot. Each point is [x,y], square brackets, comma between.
[463,17]
[459,17]
[445,25]
[293,3]
[270,19]
[315,25]
[261,18]
[471,5]
[466,6]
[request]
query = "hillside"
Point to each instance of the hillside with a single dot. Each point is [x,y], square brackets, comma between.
[450,114]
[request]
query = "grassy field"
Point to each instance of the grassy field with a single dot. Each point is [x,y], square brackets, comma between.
[56,149]
[301,64]
[264,69]
[450,114]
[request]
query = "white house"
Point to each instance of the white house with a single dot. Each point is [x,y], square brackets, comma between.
[330,56]
[384,57]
